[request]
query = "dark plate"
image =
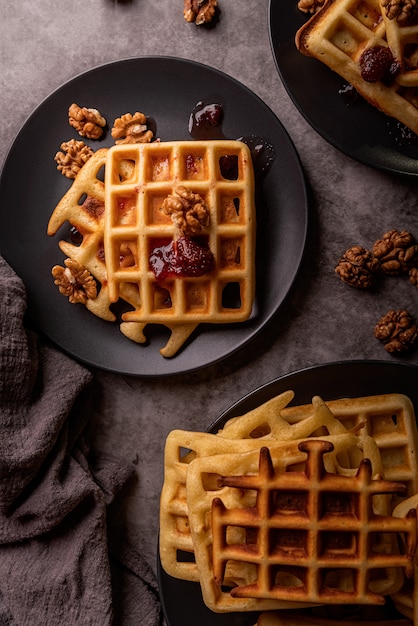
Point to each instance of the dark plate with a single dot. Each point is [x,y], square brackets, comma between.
[166,89]
[182,601]
[357,129]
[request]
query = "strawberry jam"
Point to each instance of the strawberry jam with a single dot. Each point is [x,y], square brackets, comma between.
[183,257]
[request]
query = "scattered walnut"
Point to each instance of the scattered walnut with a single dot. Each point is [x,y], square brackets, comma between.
[200,11]
[72,156]
[357,267]
[131,129]
[188,211]
[75,282]
[87,122]
[401,10]
[413,276]
[397,252]
[310,6]
[397,330]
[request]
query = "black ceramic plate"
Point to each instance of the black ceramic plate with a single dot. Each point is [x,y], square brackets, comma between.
[166,89]
[182,601]
[357,129]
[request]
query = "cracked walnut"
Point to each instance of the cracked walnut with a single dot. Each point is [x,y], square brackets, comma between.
[75,282]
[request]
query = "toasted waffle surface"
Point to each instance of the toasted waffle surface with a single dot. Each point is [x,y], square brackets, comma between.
[338,34]
[120,221]
[379,428]
[302,535]
[133,218]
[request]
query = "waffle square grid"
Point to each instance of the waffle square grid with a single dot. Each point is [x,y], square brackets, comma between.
[133,220]
[308,532]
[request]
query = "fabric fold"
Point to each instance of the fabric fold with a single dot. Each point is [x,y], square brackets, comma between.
[55,491]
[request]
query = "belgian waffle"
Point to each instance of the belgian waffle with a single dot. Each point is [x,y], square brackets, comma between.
[338,34]
[157,169]
[182,447]
[390,418]
[304,536]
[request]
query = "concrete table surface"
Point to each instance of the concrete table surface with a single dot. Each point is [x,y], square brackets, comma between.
[43,45]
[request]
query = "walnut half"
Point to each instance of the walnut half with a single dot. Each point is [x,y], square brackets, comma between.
[200,11]
[87,122]
[397,330]
[72,156]
[188,211]
[75,282]
[397,252]
[131,129]
[357,267]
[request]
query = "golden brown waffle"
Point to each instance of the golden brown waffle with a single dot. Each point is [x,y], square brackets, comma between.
[303,536]
[133,218]
[182,447]
[390,418]
[338,34]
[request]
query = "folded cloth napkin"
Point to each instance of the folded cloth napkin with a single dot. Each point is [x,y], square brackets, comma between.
[54,493]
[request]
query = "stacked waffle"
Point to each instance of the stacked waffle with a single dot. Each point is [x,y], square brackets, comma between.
[342,32]
[291,507]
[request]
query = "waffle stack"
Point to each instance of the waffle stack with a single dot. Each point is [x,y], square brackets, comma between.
[264,523]
[342,30]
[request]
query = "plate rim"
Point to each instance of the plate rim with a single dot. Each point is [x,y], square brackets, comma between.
[233,410]
[324,133]
[250,333]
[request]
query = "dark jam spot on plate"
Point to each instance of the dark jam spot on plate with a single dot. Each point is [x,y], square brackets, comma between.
[262,151]
[349,94]
[182,257]
[205,121]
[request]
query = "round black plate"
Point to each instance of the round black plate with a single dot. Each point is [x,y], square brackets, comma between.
[182,600]
[167,90]
[357,129]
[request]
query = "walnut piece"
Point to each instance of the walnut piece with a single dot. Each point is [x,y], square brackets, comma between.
[87,122]
[188,211]
[72,156]
[75,282]
[200,11]
[397,252]
[357,267]
[397,330]
[413,276]
[401,10]
[131,129]
[310,6]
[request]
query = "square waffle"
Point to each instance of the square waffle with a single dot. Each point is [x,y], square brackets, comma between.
[338,34]
[304,536]
[133,218]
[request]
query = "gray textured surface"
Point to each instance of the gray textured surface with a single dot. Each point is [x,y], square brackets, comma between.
[44,44]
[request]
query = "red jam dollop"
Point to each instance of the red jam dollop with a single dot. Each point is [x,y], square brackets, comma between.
[183,257]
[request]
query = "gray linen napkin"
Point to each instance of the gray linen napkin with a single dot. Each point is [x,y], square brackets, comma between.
[54,492]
